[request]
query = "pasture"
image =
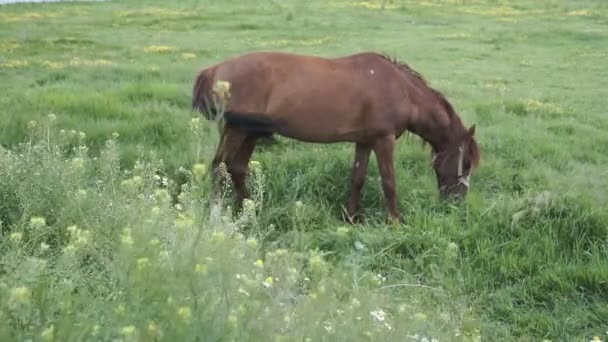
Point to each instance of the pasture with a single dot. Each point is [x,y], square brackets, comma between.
[105,229]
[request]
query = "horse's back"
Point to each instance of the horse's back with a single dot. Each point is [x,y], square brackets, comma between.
[314,98]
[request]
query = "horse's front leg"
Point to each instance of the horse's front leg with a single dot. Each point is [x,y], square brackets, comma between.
[359,171]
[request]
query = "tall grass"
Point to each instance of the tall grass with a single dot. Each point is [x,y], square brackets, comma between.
[90,251]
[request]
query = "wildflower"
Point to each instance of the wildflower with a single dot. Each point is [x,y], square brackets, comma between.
[128,331]
[452,249]
[232,320]
[259,263]
[44,246]
[37,222]
[420,317]
[16,236]
[195,124]
[143,263]
[316,263]
[343,231]
[82,135]
[126,238]
[222,88]
[153,329]
[184,313]
[378,315]
[249,207]
[327,326]
[137,180]
[32,124]
[47,334]
[162,195]
[298,204]
[359,246]
[252,243]
[69,250]
[77,163]
[200,268]
[278,253]
[243,291]
[115,135]
[120,309]
[82,237]
[188,55]
[268,282]
[158,49]
[52,117]
[217,236]
[254,164]
[20,295]
[596,339]
[72,229]
[355,303]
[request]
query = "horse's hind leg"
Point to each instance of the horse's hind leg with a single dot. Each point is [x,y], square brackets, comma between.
[358,173]
[229,147]
[238,167]
[383,148]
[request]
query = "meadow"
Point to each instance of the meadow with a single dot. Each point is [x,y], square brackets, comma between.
[105,228]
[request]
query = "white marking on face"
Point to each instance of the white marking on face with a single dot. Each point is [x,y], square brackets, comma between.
[460,160]
[371,71]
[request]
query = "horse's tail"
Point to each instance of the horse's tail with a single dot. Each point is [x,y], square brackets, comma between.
[254,124]
[251,123]
[201,93]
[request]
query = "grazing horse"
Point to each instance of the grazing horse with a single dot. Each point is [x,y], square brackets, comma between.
[365,98]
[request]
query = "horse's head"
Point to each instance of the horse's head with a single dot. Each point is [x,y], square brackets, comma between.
[454,165]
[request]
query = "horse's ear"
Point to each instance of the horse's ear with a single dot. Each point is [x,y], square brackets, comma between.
[472,130]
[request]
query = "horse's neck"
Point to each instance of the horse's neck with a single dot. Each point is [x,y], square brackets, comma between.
[437,128]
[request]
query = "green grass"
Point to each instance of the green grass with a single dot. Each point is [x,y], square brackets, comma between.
[524,258]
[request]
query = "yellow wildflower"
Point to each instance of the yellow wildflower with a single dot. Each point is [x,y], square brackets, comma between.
[126,238]
[143,263]
[158,49]
[20,295]
[252,243]
[200,268]
[128,331]
[232,320]
[184,313]
[188,55]
[37,222]
[268,282]
[217,236]
[16,236]
[47,334]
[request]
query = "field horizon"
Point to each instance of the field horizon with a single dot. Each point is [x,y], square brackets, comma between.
[104,220]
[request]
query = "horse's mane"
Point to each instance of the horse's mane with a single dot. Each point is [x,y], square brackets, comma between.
[473,148]
[406,68]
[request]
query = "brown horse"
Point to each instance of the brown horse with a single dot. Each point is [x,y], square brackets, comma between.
[366,98]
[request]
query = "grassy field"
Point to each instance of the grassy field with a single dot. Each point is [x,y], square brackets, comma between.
[95,111]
